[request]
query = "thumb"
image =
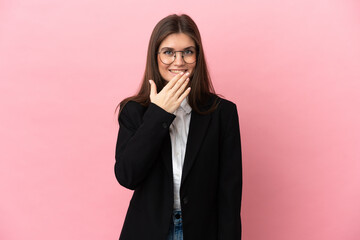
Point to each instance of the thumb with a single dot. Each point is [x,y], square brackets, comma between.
[153,90]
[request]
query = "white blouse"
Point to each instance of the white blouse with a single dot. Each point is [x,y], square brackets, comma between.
[179,130]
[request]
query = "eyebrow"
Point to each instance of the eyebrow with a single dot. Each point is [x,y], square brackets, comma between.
[169,48]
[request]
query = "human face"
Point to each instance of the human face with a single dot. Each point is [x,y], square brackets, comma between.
[177,42]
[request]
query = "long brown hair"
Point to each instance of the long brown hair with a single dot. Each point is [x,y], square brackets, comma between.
[201,86]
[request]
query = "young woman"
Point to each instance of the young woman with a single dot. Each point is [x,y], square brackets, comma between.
[178,145]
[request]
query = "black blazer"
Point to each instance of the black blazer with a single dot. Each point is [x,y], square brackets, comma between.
[211,183]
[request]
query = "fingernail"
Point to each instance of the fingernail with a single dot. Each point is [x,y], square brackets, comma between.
[181,73]
[187,74]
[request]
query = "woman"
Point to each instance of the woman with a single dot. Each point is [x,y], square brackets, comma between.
[178,145]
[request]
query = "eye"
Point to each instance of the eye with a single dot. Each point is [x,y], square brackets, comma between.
[188,52]
[168,52]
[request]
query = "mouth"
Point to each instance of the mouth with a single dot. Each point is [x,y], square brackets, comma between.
[177,71]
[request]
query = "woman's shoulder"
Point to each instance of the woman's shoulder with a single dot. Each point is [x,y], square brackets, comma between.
[227,113]
[130,110]
[133,106]
[224,105]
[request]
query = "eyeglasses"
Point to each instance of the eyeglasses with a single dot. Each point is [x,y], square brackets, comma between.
[168,56]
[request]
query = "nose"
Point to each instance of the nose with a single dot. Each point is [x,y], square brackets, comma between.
[178,59]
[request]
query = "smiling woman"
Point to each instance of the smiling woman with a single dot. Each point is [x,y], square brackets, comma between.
[176,33]
[178,145]
[170,63]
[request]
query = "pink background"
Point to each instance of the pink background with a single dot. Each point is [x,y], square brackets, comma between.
[292,67]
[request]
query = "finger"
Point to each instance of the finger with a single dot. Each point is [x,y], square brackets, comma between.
[172,82]
[180,82]
[185,93]
[181,89]
[153,90]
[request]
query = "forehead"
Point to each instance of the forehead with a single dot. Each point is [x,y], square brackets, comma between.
[177,41]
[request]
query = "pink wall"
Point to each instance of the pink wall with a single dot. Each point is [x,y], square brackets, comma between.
[292,67]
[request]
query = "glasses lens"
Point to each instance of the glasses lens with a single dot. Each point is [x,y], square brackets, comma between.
[189,56]
[167,57]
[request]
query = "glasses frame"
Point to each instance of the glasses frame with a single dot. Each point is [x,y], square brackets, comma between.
[182,56]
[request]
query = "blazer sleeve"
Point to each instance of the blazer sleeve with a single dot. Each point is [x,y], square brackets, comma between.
[139,141]
[230,179]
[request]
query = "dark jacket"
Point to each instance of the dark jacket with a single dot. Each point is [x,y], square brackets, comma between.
[211,183]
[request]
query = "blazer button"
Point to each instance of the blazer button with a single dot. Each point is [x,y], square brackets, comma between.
[164,125]
[185,200]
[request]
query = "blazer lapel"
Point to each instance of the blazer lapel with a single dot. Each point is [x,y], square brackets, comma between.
[197,130]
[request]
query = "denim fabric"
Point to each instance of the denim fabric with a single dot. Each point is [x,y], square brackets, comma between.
[176,230]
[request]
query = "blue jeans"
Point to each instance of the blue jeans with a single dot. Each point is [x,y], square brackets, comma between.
[176,230]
